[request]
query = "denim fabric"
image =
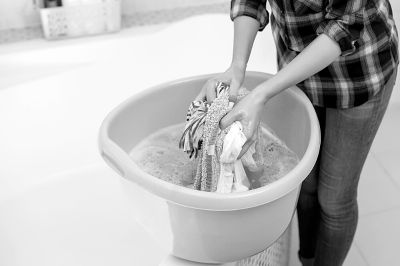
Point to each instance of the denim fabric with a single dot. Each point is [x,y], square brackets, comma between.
[327,207]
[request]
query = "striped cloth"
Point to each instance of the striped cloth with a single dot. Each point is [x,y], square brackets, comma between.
[192,137]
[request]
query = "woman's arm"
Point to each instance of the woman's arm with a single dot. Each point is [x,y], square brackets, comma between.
[319,54]
[249,16]
[245,31]
[338,35]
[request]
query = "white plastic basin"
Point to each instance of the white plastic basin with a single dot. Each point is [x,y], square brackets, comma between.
[202,226]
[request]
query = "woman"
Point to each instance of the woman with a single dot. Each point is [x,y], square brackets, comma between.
[344,56]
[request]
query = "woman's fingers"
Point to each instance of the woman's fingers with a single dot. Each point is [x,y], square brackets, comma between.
[250,133]
[251,138]
[208,90]
[245,147]
[249,130]
[228,119]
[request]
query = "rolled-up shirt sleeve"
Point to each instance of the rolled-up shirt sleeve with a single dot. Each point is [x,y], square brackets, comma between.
[344,21]
[252,8]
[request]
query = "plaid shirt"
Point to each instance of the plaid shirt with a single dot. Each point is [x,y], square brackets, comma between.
[364,29]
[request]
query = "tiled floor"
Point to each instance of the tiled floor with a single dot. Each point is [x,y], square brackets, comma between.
[378,233]
[377,191]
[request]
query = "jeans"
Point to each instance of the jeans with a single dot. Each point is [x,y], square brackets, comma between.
[327,207]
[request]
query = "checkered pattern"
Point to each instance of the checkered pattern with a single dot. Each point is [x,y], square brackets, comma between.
[252,8]
[364,30]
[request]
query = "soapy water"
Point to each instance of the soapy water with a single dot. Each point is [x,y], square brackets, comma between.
[160,156]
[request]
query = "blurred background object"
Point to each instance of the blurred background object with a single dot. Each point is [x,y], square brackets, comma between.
[20,19]
[73,18]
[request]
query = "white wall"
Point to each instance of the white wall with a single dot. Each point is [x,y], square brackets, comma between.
[22,13]
[17,14]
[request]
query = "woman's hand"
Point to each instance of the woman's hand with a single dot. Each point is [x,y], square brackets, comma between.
[319,54]
[248,112]
[233,76]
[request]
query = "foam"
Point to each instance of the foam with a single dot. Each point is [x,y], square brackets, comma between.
[160,156]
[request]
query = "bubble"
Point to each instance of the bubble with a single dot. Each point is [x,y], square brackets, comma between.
[160,156]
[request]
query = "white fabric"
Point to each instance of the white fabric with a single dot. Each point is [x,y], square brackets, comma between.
[248,160]
[232,176]
[240,182]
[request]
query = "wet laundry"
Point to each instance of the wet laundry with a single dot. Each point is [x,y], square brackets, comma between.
[218,168]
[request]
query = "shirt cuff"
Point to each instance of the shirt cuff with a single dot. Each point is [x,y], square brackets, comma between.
[338,32]
[252,9]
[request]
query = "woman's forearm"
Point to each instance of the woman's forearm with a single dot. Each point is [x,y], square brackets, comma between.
[316,56]
[245,31]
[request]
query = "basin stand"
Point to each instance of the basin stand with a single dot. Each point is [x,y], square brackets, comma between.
[174,261]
